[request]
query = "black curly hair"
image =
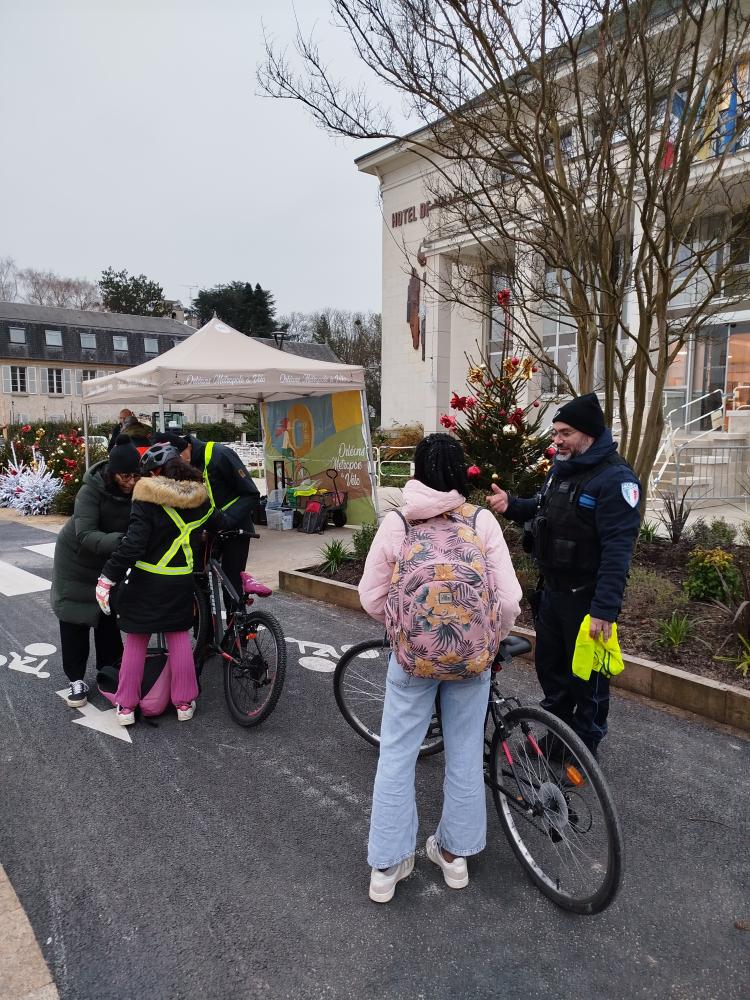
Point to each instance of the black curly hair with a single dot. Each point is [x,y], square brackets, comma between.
[440,463]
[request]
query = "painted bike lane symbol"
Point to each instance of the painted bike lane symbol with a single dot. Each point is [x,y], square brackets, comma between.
[26,664]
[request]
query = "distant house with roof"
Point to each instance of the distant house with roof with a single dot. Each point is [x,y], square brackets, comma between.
[46,353]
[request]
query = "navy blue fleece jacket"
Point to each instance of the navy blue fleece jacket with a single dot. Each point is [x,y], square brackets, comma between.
[616,519]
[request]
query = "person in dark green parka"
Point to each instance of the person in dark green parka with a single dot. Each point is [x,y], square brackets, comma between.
[100,519]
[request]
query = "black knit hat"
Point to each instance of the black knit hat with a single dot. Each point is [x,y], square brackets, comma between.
[584,414]
[171,437]
[124,457]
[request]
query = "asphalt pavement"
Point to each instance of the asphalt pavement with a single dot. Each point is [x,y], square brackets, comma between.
[200,860]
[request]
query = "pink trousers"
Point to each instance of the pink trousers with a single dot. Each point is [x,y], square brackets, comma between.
[181,665]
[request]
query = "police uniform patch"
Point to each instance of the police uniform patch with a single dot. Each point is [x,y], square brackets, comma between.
[631,493]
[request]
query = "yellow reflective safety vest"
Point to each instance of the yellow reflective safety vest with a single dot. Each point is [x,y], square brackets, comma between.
[207,482]
[596,654]
[181,542]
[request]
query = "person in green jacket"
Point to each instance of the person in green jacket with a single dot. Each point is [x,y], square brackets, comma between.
[100,519]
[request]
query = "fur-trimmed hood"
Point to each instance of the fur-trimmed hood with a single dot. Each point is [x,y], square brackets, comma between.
[183,495]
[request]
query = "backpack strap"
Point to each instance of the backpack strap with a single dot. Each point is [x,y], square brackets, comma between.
[406,523]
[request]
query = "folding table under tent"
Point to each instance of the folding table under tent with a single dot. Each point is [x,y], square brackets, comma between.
[219,363]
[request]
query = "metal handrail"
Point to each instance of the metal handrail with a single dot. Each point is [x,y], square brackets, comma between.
[381,459]
[669,433]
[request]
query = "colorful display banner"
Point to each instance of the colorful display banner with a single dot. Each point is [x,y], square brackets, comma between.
[322,438]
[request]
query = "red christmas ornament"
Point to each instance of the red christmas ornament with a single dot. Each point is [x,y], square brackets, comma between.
[535,403]
[473,471]
[448,422]
[515,362]
[470,402]
[26,428]
[503,297]
[458,402]
[550,452]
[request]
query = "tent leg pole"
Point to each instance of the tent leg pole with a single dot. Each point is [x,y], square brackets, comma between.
[370,456]
[86,434]
[161,413]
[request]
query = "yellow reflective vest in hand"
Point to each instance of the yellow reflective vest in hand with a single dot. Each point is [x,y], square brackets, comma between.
[596,654]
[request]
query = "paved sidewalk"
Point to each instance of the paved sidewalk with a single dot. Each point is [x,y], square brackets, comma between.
[23,972]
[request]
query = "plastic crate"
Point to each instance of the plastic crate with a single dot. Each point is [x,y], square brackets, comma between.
[279,520]
[276,499]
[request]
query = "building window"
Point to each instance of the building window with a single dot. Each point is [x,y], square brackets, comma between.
[501,317]
[151,345]
[18,379]
[53,338]
[88,373]
[119,342]
[558,339]
[88,341]
[55,381]
[16,335]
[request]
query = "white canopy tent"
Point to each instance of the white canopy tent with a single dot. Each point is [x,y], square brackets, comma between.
[219,363]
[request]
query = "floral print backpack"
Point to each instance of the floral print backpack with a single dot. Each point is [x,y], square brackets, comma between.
[441,617]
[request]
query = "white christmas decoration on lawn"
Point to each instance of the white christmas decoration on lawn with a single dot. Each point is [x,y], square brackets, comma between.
[27,489]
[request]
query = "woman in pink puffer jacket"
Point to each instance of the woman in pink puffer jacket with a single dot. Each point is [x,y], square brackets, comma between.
[439,487]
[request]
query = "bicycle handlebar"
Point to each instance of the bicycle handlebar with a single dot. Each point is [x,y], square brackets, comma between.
[228,533]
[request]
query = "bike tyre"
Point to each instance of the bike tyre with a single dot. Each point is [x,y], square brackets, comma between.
[270,623]
[594,902]
[201,629]
[429,747]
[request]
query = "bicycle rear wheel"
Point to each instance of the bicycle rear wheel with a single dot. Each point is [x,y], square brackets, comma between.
[201,627]
[253,679]
[359,688]
[556,810]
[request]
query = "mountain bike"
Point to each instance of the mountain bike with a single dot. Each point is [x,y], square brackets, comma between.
[552,800]
[251,645]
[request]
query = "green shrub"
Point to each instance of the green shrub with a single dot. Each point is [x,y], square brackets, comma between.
[362,539]
[651,595]
[648,531]
[335,554]
[711,575]
[715,534]
[673,631]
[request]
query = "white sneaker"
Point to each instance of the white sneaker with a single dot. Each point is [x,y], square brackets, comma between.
[125,716]
[78,696]
[185,711]
[455,873]
[383,884]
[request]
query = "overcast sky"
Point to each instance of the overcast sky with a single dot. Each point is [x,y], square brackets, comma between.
[133,136]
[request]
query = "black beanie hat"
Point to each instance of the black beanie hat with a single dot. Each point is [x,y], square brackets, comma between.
[584,414]
[124,457]
[170,437]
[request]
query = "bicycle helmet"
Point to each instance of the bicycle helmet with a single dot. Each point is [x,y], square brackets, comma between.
[157,455]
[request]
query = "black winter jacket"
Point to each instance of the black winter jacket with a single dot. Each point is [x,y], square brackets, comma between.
[229,479]
[613,495]
[86,541]
[148,602]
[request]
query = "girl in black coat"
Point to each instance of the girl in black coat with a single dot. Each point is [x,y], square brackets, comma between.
[100,519]
[170,507]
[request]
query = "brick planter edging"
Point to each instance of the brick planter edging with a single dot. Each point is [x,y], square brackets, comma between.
[656,681]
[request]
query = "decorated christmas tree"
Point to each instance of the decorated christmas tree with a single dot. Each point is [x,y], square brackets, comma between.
[506,443]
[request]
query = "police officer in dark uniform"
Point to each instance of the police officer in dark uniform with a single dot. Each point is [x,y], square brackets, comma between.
[582,527]
[230,488]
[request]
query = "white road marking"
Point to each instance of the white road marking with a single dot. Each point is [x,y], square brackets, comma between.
[46,549]
[103,722]
[15,581]
[317,663]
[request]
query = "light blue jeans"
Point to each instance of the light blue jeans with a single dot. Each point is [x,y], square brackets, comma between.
[408,708]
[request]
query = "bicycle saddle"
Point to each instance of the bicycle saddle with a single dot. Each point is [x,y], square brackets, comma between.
[251,586]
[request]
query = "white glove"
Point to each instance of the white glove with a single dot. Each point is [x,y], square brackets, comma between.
[103,587]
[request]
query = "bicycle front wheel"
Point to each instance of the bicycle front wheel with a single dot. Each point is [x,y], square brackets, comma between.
[254,676]
[556,810]
[201,627]
[359,688]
